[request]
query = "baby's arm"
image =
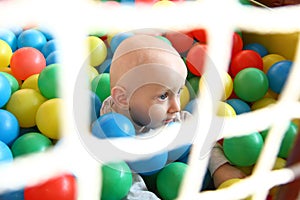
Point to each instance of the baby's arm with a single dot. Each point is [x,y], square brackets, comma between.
[220,167]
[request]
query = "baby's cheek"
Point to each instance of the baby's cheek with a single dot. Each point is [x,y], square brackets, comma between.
[157,114]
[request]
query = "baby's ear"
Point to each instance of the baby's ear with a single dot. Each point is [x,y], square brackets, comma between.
[119,96]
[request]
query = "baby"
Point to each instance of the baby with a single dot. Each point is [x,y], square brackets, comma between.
[147,76]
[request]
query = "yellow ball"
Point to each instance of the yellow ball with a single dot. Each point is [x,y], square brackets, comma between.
[227,87]
[97,50]
[228,183]
[225,110]
[48,118]
[271,94]
[24,104]
[264,102]
[279,163]
[184,97]
[92,73]
[31,83]
[163,3]
[247,170]
[297,122]
[5,54]
[270,59]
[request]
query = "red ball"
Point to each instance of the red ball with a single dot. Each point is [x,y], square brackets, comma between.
[200,35]
[195,59]
[245,59]
[27,61]
[58,188]
[182,42]
[237,44]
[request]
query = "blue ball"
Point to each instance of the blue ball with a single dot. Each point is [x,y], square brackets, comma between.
[95,106]
[239,106]
[117,39]
[150,165]
[105,66]
[5,90]
[9,127]
[9,37]
[13,195]
[32,38]
[5,153]
[17,30]
[278,74]
[179,152]
[53,57]
[112,125]
[258,48]
[49,47]
[46,32]
[191,106]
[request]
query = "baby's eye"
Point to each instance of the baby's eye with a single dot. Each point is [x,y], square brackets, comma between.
[163,96]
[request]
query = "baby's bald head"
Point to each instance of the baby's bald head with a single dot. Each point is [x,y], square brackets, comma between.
[144,56]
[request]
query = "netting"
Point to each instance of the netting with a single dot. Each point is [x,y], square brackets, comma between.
[71,21]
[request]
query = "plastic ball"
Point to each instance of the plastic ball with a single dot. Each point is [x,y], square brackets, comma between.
[24,104]
[164,3]
[46,32]
[32,38]
[237,44]
[26,62]
[184,97]
[278,74]
[13,195]
[9,37]
[259,48]
[92,73]
[200,35]
[112,125]
[239,106]
[195,59]
[117,39]
[179,152]
[194,86]
[5,90]
[225,110]
[182,42]
[31,83]
[250,84]
[48,118]
[9,127]
[191,106]
[149,166]
[14,84]
[245,59]
[243,150]
[5,154]
[48,81]
[228,183]
[279,163]
[95,106]
[97,50]
[17,30]
[30,143]
[49,47]
[5,54]
[264,102]
[63,187]
[8,70]
[101,86]
[116,181]
[271,94]
[287,141]
[105,66]
[53,58]
[271,59]
[169,180]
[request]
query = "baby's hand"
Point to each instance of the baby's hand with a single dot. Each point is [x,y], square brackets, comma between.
[226,172]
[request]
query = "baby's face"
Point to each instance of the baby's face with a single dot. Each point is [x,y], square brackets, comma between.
[154,105]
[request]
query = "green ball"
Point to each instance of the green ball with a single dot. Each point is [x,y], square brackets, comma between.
[30,143]
[101,86]
[116,181]
[250,84]
[48,81]
[169,180]
[243,150]
[193,86]
[12,81]
[287,141]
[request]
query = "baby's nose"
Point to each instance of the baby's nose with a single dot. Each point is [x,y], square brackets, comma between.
[174,105]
